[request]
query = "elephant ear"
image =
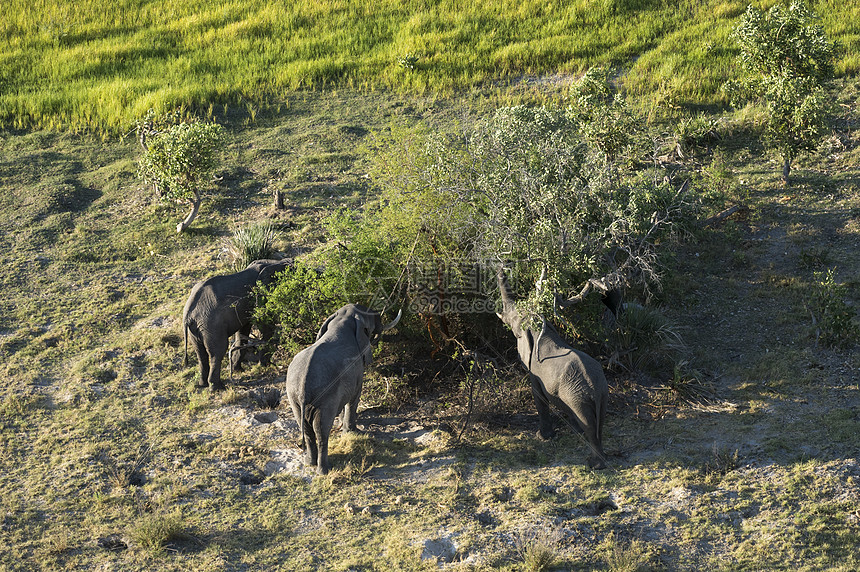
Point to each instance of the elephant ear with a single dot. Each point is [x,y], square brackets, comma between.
[324,327]
[362,339]
[530,339]
[269,270]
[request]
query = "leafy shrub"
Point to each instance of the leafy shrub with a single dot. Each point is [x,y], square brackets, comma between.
[178,158]
[530,187]
[299,301]
[832,317]
[603,116]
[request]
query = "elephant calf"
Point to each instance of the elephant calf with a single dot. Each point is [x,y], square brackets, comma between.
[326,377]
[219,307]
[570,380]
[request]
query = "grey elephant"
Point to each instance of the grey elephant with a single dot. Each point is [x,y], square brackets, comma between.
[570,380]
[219,307]
[326,378]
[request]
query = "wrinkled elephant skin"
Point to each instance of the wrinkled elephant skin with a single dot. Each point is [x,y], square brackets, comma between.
[326,377]
[218,308]
[567,379]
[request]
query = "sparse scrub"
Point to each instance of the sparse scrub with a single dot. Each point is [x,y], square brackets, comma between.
[632,556]
[124,474]
[538,550]
[833,320]
[722,462]
[687,386]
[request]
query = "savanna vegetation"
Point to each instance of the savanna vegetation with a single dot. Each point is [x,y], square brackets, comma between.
[415,147]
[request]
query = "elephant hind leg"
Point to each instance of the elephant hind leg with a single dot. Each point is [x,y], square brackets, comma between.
[322,427]
[202,359]
[311,450]
[586,418]
[309,440]
[217,350]
[541,398]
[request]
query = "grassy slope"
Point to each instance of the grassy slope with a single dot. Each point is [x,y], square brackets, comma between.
[103,434]
[100,64]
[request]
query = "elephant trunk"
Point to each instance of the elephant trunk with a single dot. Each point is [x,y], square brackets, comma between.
[509,310]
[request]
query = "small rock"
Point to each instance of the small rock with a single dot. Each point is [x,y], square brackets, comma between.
[266,417]
[349,508]
[112,542]
[440,549]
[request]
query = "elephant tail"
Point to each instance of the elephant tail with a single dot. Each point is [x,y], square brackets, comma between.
[600,416]
[185,334]
[302,420]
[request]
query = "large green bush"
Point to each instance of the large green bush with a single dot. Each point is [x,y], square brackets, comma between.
[551,191]
[546,191]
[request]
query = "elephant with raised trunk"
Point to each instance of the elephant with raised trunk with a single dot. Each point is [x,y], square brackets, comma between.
[220,307]
[567,379]
[326,377]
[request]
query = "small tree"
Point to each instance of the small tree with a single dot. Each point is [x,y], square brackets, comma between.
[787,61]
[178,159]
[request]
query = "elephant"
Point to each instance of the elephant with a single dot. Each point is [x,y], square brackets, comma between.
[570,380]
[325,378]
[219,307]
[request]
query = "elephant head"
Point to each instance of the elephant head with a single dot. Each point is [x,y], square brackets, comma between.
[368,326]
[267,268]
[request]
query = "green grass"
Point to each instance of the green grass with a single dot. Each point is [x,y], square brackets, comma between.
[101,64]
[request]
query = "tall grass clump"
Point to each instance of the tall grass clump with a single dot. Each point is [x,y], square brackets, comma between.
[249,243]
[152,532]
[643,339]
[539,551]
